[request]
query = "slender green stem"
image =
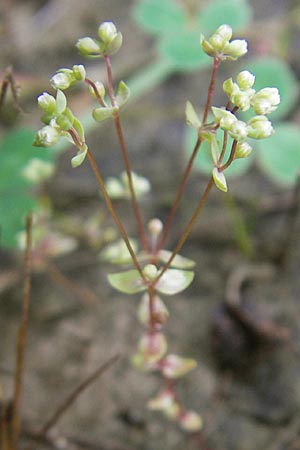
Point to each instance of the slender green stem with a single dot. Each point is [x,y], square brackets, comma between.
[113,213]
[124,152]
[188,228]
[22,335]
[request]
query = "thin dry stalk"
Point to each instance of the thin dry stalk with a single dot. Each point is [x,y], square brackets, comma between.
[21,340]
[68,402]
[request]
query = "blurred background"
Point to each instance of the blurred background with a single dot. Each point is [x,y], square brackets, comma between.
[247,384]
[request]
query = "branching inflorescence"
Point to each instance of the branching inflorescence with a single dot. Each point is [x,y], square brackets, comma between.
[157,271]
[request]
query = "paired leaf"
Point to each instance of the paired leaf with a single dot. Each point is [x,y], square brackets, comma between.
[172,282]
[123,94]
[219,179]
[128,282]
[192,118]
[179,262]
[104,113]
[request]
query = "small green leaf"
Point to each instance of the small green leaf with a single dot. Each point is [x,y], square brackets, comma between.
[180,262]
[61,102]
[100,114]
[279,155]
[183,50]
[128,282]
[272,72]
[80,157]
[159,16]
[174,281]
[79,128]
[123,94]
[219,179]
[235,13]
[203,161]
[117,252]
[192,118]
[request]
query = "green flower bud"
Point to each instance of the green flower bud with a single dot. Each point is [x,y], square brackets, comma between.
[259,127]
[238,130]
[159,311]
[152,347]
[242,150]
[150,271]
[89,47]
[242,100]
[163,401]
[224,118]
[62,80]
[235,49]
[46,136]
[190,421]
[230,88]
[65,121]
[100,89]
[245,80]
[47,103]
[107,31]
[173,366]
[79,72]
[114,45]
[221,37]
[265,101]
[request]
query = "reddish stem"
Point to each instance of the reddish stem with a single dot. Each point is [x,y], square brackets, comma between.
[124,152]
[231,157]
[189,166]
[188,228]
[95,90]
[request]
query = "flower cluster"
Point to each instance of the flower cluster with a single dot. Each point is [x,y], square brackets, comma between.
[109,43]
[64,78]
[219,46]
[59,121]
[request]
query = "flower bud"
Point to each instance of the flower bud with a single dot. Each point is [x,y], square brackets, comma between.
[224,118]
[238,130]
[150,271]
[160,313]
[155,227]
[164,401]
[88,46]
[242,150]
[259,127]
[107,31]
[190,421]
[245,80]
[79,72]
[265,101]
[242,100]
[230,88]
[236,49]
[47,103]
[114,45]
[152,347]
[173,366]
[62,80]
[46,136]
[100,89]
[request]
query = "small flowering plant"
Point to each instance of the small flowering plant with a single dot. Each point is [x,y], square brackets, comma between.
[157,272]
